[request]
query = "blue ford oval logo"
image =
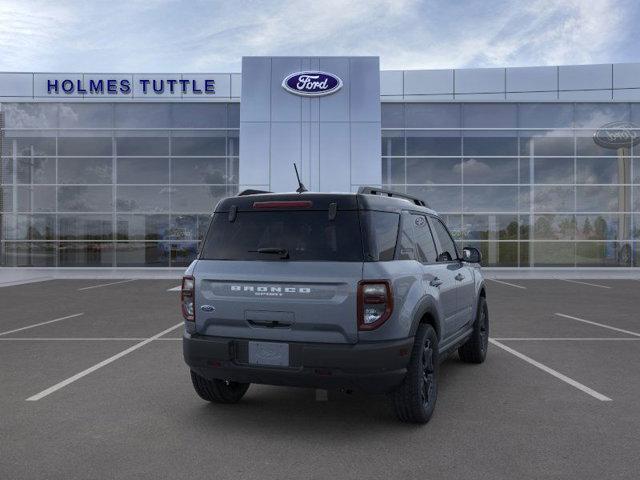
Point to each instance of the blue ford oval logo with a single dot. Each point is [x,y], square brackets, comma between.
[207,308]
[312,83]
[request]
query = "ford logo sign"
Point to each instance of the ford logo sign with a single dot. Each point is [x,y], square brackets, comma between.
[312,84]
[617,135]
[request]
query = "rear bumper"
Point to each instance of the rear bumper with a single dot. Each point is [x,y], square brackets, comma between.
[373,367]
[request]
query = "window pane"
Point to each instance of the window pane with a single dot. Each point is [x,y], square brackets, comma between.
[85,227]
[30,115]
[29,146]
[142,254]
[553,170]
[434,170]
[490,145]
[441,199]
[603,254]
[200,170]
[432,115]
[392,115]
[490,170]
[487,115]
[212,144]
[392,143]
[6,199]
[233,112]
[545,115]
[585,145]
[490,227]
[85,170]
[497,254]
[447,247]
[86,115]
[554,199]
[91,146]
[79,254]
[196,199]
[142,170]
[142,227]
[554,227]
[143,199]
[183,253]
[380,231]
[553,254]
[6,170]
[602,170]
[604,227]
[406,239]
[598,114]
[199,115]
[433,143]
[490,199]
[140,115]
[600,199]
[424,240]
[37,199]
[546,144]
[393,170]
[41,254]
[35,227]
[142,146]
[636,170]
[185,227]
[85,199]
[35,169]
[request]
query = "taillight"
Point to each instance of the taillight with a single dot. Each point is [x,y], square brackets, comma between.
[187,298]
[375,303]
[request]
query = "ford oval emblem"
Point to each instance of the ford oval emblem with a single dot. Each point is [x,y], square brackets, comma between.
[312,83]
[207,308]
[617,135]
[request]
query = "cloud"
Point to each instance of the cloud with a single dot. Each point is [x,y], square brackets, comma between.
[167,36]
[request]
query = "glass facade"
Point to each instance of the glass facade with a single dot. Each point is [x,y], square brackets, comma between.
[524,182]
[112,184]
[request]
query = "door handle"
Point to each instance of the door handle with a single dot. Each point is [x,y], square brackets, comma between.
[459,277]
[436,282]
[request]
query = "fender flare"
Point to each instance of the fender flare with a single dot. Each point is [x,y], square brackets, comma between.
[426,306]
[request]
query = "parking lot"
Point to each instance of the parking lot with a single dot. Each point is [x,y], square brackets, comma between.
[93,385]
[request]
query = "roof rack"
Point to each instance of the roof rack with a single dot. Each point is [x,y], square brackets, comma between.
[391,193]
[250,191]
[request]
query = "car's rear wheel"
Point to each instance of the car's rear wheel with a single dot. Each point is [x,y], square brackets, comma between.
[475,349]
[415,399]
[218,391]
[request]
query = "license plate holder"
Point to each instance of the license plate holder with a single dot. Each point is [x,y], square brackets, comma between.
[273,354]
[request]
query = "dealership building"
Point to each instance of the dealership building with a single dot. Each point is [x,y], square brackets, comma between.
[535,166]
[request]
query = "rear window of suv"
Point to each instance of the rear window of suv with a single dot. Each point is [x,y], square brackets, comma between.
[305,235]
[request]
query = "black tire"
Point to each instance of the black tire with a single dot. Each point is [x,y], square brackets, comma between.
[218,391]
[474,350]
[415,399]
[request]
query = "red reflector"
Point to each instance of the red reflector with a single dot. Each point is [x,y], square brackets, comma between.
[284,204]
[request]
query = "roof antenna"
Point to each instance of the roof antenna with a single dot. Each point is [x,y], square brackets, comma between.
[301,188]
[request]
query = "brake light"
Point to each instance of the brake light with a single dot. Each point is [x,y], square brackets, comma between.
[187,298]
[375,303]
[284,204]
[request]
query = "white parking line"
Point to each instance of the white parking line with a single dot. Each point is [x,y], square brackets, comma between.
[507,283]
[175,289]
[97,366]
[97,339]
[584,283]
[551,339]
[551,371]
[41,323]
[107,284]
[629,332]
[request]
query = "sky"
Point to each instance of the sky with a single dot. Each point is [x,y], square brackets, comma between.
[212,36]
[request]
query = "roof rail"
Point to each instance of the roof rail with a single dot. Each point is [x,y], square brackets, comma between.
[250,191]
[391,193]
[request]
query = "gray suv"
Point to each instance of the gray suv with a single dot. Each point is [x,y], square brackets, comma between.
[363,291]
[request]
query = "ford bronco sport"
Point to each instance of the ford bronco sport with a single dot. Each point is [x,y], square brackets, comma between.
[363,291]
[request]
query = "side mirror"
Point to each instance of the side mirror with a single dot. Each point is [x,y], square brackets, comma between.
[471,255]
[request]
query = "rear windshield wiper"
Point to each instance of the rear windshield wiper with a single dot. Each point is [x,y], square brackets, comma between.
[283,252]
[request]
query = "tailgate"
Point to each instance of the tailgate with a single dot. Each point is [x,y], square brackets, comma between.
[278,300]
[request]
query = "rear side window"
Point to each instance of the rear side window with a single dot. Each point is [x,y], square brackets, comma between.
[380,232]
[306,235]
[447,247]
[424,241]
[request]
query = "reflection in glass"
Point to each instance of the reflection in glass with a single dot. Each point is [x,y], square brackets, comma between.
[490,227]
[554,199]
[553,254]
[142,227]
[21,254]
[34,170]
[603,170]
[553,170]
[37,198]
[393,170]
[85,170]
[546,144]
[441,199]
[490,170]
[601,198]
[433,143]
[90,146]
[490,199]
[490,115]
[85,115]
[200,170]
[603,254]
[392,143]
[545,115]
[603,226]
[34,227]
[85,227]
[210,144]
[433,115]
[392,115]
[85,199]
[132,170]
[143,199]
[142,115]
[30,115]
[183,253]
[554,227]
[30,146]
[196,199]
[142,254]
[497,254]
[199,115]
[434,170]
[79,254]
[142,146]
[489,144]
